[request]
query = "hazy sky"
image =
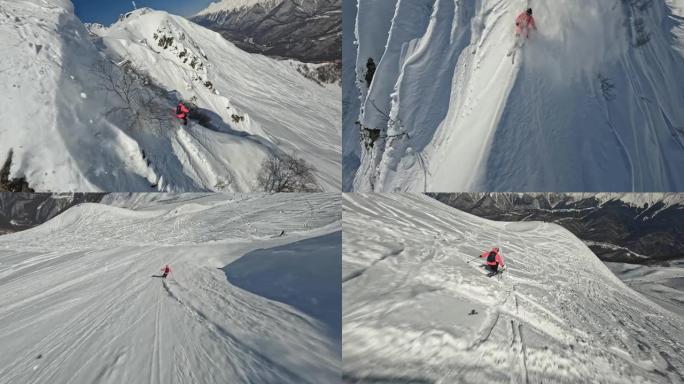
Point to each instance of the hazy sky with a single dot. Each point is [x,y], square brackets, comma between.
[107,11]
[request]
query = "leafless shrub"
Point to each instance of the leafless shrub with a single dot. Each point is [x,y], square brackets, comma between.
[286,173]
[607,88]
[139,103]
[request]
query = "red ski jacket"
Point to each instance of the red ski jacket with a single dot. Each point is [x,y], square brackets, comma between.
[181,111]
[499,260]
[166,270]
[524,22]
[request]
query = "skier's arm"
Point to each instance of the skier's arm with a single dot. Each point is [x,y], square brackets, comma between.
[499,260]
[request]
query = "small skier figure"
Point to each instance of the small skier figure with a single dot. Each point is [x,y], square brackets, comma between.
[370,71]
[166,270]
[494,260]
[524,22]
[182,112]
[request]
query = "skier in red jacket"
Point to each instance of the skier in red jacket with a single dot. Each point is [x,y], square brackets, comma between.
[166,270]
[494,259]
[182,112]
[524,22]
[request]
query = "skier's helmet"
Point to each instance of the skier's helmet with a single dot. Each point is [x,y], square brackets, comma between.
[496,249]
[529,11]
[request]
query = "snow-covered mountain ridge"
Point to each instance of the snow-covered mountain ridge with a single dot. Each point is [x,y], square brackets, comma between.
[60,105]
[232,5]
[306,30]
[633,228]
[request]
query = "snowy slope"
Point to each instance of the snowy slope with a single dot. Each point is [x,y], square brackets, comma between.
[664,283]
[82,301]
[591,103]
[411,277]
[64,138]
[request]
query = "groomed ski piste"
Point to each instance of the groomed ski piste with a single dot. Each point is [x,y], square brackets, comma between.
[592,102]
[412,276]
[66,130]
[82,300]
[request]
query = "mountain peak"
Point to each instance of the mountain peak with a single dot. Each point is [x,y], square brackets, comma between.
[234,5]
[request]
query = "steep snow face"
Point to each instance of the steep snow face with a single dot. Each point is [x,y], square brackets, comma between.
[83,301]
[52,117]
[591,102]
[417,306]
[283,112]
[351,151]
[64,136]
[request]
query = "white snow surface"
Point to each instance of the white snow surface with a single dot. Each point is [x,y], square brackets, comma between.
[65,142]
[81,303]
[456,114]
[412,275]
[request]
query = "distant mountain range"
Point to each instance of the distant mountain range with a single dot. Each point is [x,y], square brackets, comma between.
[20,211]
[305,30]
[631,228]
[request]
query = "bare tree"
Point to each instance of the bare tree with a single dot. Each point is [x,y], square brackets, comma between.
[286,173]
[139,103]
[607,88]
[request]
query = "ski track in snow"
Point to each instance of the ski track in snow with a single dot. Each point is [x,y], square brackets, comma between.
[83,302]
[557,314]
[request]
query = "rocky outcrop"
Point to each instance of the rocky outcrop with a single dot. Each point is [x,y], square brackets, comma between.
[19,184]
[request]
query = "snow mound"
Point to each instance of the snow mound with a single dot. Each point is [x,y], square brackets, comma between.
[592,102]
[417,306]
[83,300]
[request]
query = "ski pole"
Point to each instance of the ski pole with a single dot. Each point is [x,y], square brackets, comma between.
[471,260]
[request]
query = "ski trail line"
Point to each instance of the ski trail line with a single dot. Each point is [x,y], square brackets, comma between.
[156,351]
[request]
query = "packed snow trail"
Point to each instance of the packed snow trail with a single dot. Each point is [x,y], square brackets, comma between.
[83,301]
[556,315]
[591,102]
[59,120]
